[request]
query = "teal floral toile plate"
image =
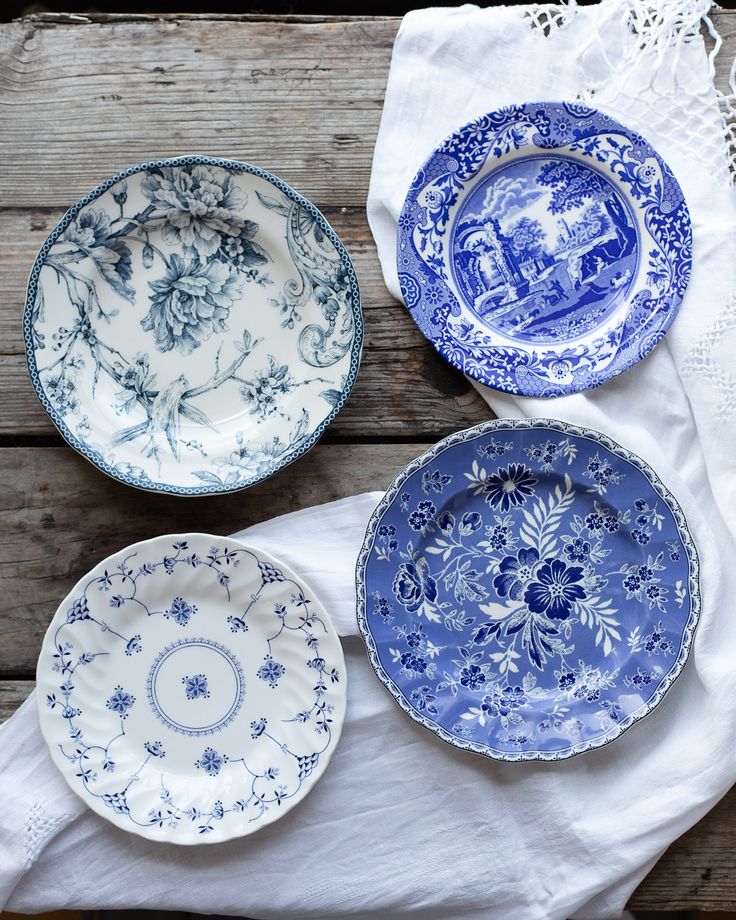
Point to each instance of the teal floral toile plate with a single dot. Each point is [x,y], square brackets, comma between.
[193,325]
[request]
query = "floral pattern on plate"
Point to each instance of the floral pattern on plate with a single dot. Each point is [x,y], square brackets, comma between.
[544,248]
[191,689]
[528,590]
[193,325]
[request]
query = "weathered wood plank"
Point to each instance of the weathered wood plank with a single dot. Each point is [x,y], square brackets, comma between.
[12,694]
[699,869]
[303,98]
[404,387]
[60,516]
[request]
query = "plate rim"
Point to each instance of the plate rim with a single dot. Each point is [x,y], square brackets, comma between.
[238,167]
[106,813]
[472,370]
[557,426]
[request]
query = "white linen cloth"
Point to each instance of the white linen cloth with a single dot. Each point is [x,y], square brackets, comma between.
[604,819]
[402,825]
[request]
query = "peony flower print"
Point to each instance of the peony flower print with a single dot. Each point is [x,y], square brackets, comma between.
[200,205]
[190,303]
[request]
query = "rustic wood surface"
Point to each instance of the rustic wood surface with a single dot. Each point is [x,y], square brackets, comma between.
[81,98]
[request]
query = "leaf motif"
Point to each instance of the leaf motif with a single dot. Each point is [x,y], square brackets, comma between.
[333,397]
[273,205]
[539,532]
[111,272]
[254,254]
[206,476]
[301,427]
[193,414]
[500,611]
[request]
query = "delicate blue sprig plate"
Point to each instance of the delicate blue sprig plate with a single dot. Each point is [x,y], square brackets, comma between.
[544,248]
[193,325]
[191,689]
[528,589]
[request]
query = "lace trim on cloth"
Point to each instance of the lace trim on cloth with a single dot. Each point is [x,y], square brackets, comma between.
[38,829]
[702,363]
[662,28]
[549,16]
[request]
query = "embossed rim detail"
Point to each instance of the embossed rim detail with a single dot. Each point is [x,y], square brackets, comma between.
[469,434]
[92,455]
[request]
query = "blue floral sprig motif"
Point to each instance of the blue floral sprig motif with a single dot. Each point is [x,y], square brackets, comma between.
[172,248]
[526,606]
[196,686]
[120,702]
[547,454]
[544,308]
[271,671]
[494,449]
[602,473]
[180,611]
[290,625]
[211,762]
[123,586]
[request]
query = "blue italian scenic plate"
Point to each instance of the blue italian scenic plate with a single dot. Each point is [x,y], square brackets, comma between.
[193,325]
[528,590]
[191,689]
[544,248]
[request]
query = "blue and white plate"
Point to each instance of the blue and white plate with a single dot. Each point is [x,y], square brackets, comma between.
[544,248]
[191,689]
[193,325]
[528,590]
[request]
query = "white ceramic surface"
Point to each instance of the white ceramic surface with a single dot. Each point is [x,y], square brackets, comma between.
[191,689]
[193,325]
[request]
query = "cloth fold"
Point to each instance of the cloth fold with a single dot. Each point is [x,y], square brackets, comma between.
[646,65]
[402,825]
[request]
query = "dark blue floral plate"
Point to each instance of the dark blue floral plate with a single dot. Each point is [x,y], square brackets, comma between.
[191,689]
[528,590]
[193,325]
[544,248]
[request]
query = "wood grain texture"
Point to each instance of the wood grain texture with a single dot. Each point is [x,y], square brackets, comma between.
[60,516]
[12,694]
[699,869]
[82,97]
[304,97]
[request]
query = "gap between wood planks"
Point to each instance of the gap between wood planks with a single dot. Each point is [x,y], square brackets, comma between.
[74,19]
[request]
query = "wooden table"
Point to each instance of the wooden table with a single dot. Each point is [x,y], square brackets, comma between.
[83,97]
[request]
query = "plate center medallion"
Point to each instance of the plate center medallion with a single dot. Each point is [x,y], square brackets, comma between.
[544,249]
[196,686]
